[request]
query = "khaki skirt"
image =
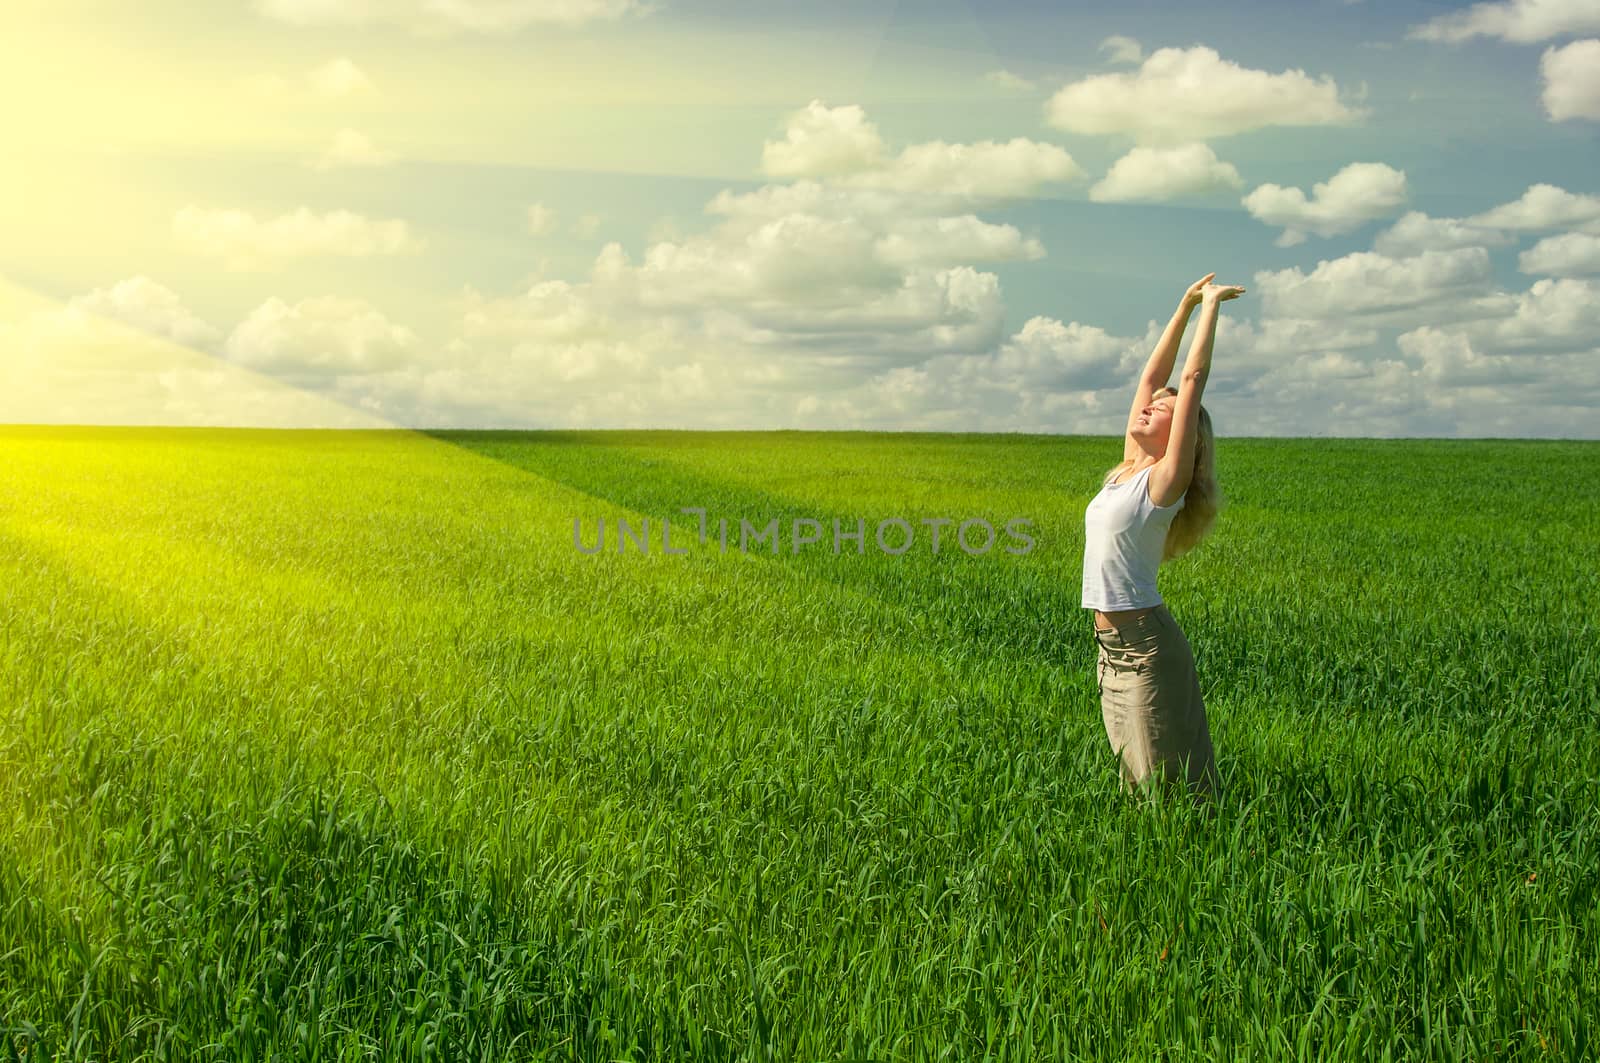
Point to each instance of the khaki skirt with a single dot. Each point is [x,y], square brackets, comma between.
[1151,704]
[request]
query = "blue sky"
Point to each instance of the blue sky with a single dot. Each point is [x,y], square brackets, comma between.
[929,216]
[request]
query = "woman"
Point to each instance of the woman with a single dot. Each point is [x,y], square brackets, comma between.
[1156,505]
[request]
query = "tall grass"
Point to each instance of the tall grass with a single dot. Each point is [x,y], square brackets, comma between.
[325,745]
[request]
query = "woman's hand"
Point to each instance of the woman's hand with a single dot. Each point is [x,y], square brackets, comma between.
[1191,298]
[1220,293]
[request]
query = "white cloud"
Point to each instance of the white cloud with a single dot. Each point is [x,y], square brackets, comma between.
[351,149]
[817,284]
[820,288]
[1416,232]
[1048,376]
[983,171]
[243,242]
[1181,95]
[1562,256]
[1571,81]
[1005,79]
[1121,49]
[1449,358]
[1370,285]
[443,17]
[1165,173]
[1516,21]
[822,141]
[1556,315]
[152,308]
[1474,361]
[1273,339]
[841,145]
[548,310]
[1544,206]
[1357,194]
[512,368]
[1046,354]
[319,337]
[951,241]
[868,205]
[792,260]
[127,355]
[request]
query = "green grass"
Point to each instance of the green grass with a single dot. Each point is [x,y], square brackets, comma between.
[323,745]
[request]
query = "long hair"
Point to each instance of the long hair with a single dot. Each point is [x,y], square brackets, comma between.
[1203,498]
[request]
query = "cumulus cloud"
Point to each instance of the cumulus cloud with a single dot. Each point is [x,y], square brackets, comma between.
[130,354]
[982,171]
[151,308]
[836,290]
[1544,206]
[794,260]
[1121,49]
[444,17]
[1473,360]
[1449,358]
[1416,232]
[1516,21]
[950,241]
[244,242]
[548,310]
[825,199]
[351,149]
[1562,256]
[1554,315]
[1048,376]
[1370,285]
[1180,95]
[550,358]
[840,145]
[1047,355]
[1158,174]
[1274,339]
[318,337]
[1357,194]
[1539,362]
[1572,81]
[821,141]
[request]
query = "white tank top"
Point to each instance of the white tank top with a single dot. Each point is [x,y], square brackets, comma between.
[1124,533]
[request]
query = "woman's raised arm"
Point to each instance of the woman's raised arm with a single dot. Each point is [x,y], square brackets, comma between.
[1159,368]
[1177,464]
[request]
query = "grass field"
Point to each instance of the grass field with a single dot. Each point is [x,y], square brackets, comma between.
[325,745]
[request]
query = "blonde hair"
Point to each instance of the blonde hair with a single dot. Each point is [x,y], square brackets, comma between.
[1203,498]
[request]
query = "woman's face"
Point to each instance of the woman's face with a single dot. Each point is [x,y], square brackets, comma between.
[1154,423]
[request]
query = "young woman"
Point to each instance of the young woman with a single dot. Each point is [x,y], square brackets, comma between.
[1156,505]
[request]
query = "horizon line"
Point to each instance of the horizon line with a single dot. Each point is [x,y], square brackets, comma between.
[768,431]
